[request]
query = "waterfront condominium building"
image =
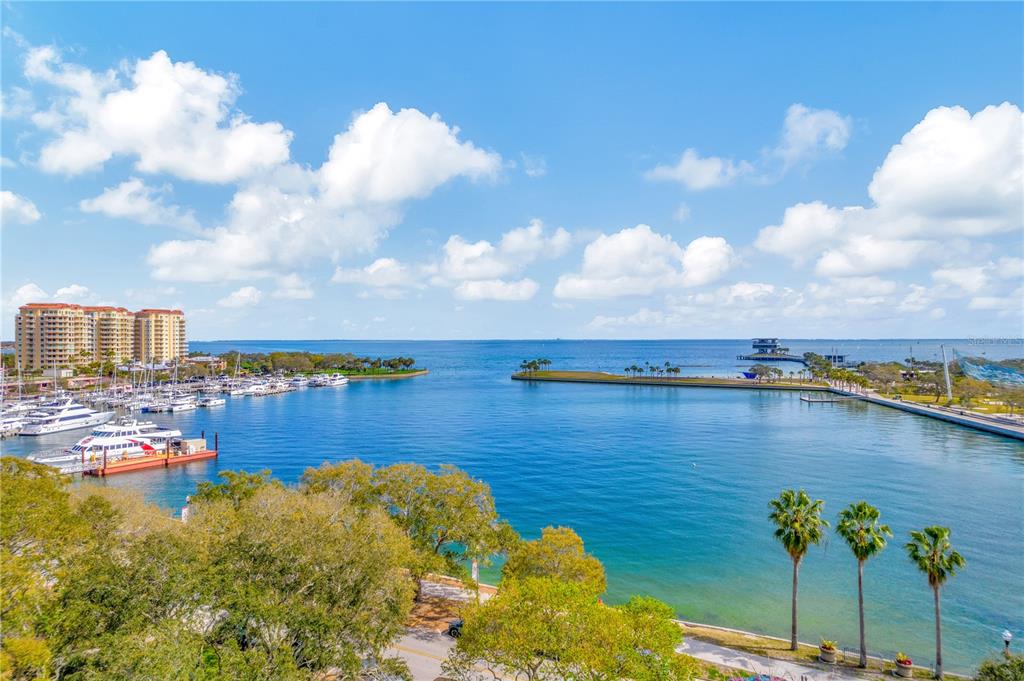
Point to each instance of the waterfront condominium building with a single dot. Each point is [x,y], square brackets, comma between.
[160,336]
[50,335]
[113,333]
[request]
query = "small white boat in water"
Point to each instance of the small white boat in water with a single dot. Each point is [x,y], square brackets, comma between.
[67,415]
[210,401]
[182,403]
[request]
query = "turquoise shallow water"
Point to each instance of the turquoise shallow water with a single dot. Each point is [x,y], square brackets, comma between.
[668,487]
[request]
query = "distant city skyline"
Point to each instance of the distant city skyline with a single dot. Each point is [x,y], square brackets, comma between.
[462,171]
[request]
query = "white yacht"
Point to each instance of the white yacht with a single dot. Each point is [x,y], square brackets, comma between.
[10,425]
[328,380]
[182,403]
[67,415]
[126,439]
[210,401]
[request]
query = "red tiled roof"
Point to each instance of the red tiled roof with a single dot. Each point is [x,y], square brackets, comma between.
[159,311]
[106,308]
[51,306]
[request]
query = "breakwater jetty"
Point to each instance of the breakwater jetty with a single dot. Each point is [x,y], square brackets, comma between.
[681,382]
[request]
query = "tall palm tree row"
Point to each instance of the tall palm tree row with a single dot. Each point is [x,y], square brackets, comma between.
[859,525]
[798,526]
[932,552]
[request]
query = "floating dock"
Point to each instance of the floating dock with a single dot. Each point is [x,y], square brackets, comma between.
[185,451]
[823,400]
[140,463]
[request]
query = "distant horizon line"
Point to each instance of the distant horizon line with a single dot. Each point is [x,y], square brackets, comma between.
[992,340]
[1017,339]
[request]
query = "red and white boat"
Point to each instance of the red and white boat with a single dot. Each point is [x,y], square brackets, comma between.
[118,441]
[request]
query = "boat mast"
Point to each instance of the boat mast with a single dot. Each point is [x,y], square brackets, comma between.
[945,370]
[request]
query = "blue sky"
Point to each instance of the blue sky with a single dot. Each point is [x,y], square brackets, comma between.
[518,171]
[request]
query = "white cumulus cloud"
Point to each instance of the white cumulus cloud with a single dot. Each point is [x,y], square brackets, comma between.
[16,208]
[134,200]
[388,157]
[295,215]
[496,289]
[246,296]
[639,261]
[292,287]
[867,254]
[171,117]
[969,279]
[804,228]
[808,133]
[953,175]
[696,172]
[381,273]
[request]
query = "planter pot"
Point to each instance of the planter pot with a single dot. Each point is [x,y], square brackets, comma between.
[827,655]
[904,670]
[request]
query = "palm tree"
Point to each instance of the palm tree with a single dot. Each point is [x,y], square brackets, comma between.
[799,525]
[933,554]
[858,525]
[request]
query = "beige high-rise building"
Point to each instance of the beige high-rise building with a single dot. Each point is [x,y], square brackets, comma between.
[113,333]
[160,336]
[51,335]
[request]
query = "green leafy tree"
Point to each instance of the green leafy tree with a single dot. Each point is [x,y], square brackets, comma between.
[350,481]
[798,526]
[970,389]
[559,553]
[263,582]
[545,628]
[931,551]
[1010,669]
[237,487]
[448,516]
[859,526]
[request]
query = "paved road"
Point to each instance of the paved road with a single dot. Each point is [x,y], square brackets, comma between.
[424,651]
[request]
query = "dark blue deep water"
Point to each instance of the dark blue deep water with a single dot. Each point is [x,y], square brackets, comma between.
[668,487]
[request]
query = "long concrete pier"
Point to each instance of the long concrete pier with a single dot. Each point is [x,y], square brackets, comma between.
[960,417]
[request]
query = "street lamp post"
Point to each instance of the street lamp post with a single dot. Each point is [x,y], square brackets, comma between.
[1007,637]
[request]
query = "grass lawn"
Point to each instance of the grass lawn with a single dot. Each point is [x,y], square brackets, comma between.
[981,405]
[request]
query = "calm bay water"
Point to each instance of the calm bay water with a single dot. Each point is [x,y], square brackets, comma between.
[668,487]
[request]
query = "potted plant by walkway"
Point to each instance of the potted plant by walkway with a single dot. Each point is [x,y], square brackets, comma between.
[904,666]
[828,651]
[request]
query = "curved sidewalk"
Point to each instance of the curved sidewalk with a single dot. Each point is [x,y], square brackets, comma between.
[710,652]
